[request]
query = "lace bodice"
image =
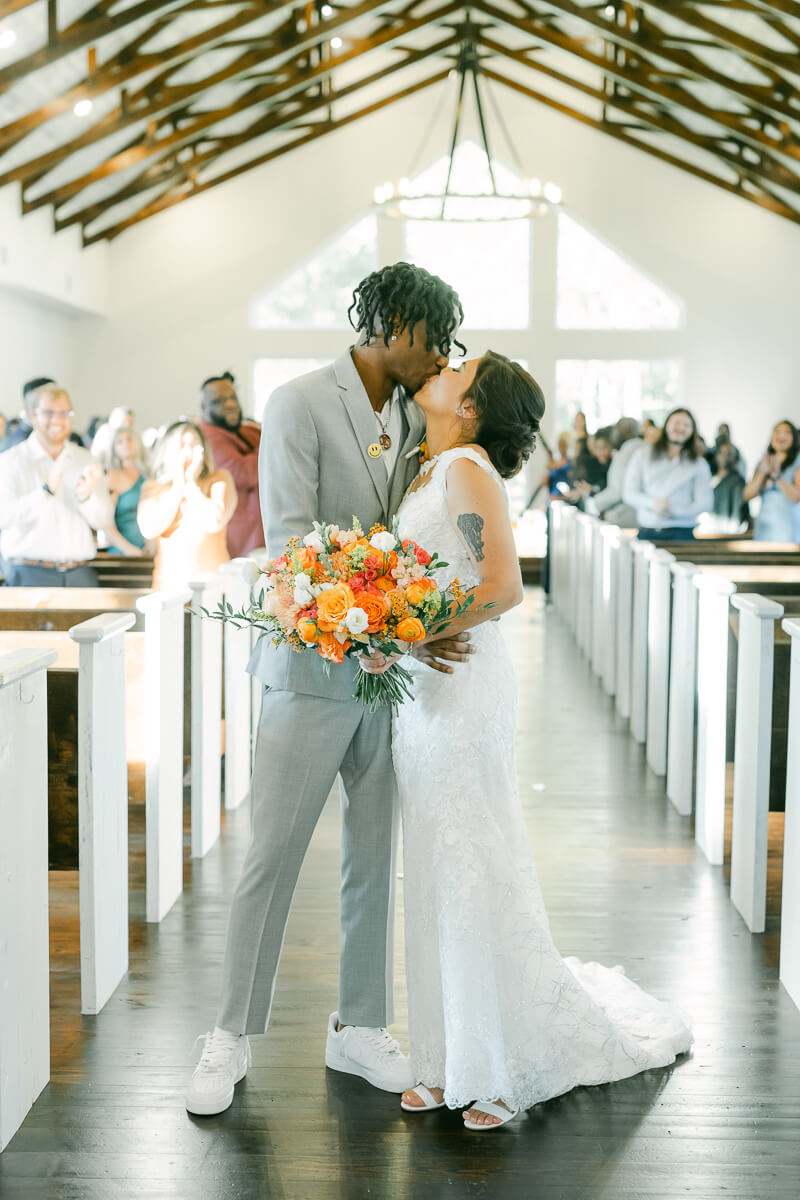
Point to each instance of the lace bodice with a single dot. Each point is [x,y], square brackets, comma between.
[425,517]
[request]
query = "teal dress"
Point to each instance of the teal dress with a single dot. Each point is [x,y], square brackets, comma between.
[779,519]
[125,516]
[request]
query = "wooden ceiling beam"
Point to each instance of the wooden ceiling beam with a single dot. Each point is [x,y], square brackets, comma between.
[9,7]
[645,84]
[724,35]
[151,102]
[169,170]
[634,42]
[761,173]
[299,80]
[82,34]
[762,199]
[168,200]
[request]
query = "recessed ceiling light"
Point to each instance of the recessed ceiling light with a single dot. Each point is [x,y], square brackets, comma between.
[336,43]
[327,11]
[7,38]
[82,108]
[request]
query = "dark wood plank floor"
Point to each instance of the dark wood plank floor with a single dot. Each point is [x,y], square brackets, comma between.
[623,883]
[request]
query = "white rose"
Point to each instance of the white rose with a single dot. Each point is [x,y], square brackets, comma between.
[251,572]
[383,542]
[301,580]
[314,542]
[302,598]
[356,620]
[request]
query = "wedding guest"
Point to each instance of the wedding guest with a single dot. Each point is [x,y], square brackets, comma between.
[608,503]
[120,417]
[669,483]
[579,436]
[777,481]
[589,472]
[52,495]
[650,432]
[187,506]
[125,474]
[234,444]
[729,484]
[19,428]
[92,427]
[558,468]
[2,431]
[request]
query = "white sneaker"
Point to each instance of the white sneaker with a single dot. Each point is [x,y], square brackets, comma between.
[371,1053]
[224,1061]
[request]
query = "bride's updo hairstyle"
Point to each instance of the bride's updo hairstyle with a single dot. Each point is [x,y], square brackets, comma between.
[510,407]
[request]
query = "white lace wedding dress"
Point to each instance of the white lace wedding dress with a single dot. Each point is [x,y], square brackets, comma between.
[494,1010]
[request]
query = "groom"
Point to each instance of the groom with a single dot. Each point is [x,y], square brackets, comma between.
[339,442]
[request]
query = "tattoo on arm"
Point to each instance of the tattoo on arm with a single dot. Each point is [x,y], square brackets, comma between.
[471,527]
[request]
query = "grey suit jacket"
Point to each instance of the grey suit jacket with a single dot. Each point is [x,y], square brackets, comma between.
[314,466]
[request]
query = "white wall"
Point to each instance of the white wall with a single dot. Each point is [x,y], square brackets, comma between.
[180,283]
[48,287]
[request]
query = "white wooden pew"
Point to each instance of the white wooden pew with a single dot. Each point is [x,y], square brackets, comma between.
[659,616]
[682,681]
[790,900]
[206,715]
[163,685]
[599,640]
[624,590]
[24,926]
[642,554]
[585,528]
[611,538]
[238,696]
[756,658]
[102,806]
[712,710]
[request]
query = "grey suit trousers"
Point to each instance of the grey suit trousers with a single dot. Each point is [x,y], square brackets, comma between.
[303,742]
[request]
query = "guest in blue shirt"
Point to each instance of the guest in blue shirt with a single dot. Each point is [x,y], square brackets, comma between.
[777,482]
[669,483]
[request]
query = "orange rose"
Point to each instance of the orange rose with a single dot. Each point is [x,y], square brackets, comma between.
[410,630]
[308,630]
[306,557]
[417,591]
[331,648]
[332,606]
[384,584]
[375,607]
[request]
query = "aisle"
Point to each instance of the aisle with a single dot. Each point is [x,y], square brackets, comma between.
[623,883]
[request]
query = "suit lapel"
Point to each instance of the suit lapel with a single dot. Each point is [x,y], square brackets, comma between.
[359,410]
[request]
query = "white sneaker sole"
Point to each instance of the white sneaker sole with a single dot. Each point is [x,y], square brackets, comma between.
[209,1107]
[340,1062]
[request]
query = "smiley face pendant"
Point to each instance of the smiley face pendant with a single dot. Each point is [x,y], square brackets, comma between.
[374,451]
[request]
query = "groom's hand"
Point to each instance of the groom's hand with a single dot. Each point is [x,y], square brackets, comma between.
[440,653]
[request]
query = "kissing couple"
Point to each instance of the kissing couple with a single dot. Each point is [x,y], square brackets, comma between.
[498,1020]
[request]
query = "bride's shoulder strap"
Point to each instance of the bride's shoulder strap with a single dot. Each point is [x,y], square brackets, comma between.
[451,456]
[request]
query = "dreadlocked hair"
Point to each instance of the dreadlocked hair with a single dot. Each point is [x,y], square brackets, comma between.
[398,297]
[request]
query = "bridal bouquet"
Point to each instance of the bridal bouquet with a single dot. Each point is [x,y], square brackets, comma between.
[342,593]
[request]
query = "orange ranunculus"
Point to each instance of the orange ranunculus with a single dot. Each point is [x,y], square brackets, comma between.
[375,607]
[332,606]
[417,591]
[306,557]
[385,584]
[410,630]
[308,630]
[331,648]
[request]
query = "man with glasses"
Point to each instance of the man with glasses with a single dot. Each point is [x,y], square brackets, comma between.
[52,495]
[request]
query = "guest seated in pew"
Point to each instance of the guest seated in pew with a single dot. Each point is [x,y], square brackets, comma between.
[125,475]
[730,510]
[119,418]
[650,432]
[186,506]
[52,495]
[558,468]
[608,503]
[234,445]
[777,481]
[669,483]
[589,472]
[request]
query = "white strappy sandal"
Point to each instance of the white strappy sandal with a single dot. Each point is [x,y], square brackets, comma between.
[491,1110]
[429,1101]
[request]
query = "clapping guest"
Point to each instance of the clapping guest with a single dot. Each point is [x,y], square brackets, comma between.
[120,417]
[186,506]
[669,483]
[608,503]
[125,475]
[777,481]
[52,495]
[558,468]
[234,445]
[589,472]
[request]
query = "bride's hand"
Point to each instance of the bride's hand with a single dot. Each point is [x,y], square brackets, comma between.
[377,663]
[437,654]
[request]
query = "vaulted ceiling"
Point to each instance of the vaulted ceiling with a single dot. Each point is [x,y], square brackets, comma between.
[112,111]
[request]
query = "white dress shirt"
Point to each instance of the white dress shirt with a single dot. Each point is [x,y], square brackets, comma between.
[47,528]
[390,421]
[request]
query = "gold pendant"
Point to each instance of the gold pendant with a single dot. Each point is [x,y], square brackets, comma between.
[374,451]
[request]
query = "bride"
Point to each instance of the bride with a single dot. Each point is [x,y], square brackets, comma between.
[498,1020]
